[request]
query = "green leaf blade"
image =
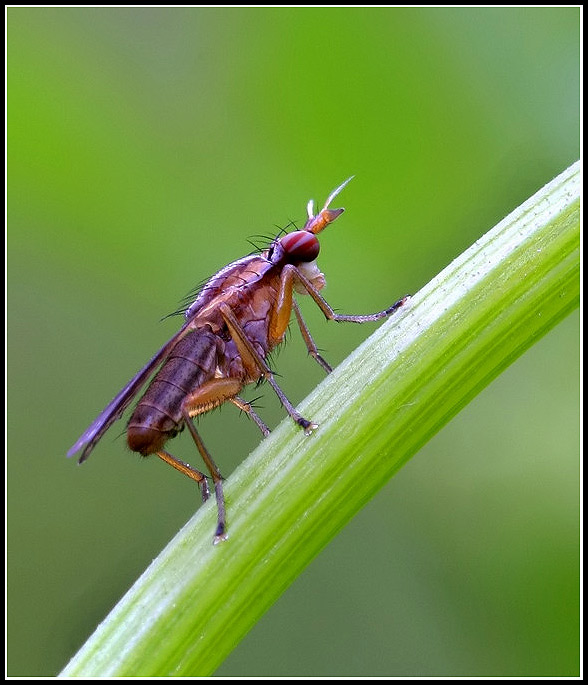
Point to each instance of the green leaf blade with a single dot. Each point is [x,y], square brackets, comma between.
[291,496]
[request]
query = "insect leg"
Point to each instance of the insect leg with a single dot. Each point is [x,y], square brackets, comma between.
[216,478]
[256,366]
[187,470]
[310,344]
[291,274]
[248,409]
[209,395]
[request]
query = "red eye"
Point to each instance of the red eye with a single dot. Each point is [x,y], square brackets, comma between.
[301,246]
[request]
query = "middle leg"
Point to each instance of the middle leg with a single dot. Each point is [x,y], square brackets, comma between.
[248,409]
[256,366]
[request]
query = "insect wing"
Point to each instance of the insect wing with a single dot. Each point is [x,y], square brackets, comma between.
[113,411]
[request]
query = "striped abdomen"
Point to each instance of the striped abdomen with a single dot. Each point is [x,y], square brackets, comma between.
[158,414]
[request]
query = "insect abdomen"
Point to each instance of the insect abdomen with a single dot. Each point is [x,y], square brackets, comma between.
[158,414]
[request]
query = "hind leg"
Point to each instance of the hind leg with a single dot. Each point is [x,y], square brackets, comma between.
[211,394]
[187,470]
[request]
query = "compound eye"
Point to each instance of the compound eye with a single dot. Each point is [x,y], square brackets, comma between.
[300,246]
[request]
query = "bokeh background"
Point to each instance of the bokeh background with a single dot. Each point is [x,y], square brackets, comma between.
[145,145]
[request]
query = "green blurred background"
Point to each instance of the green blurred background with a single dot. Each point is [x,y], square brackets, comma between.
[144,147]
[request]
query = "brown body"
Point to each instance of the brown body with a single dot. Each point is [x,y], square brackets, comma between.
[206,360]
[239,316]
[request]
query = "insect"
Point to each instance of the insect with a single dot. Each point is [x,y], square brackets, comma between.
[238,317]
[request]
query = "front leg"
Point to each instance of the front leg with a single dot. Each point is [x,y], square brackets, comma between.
[291,276]
[310,344]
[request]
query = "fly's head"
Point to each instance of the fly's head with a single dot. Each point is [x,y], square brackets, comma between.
[301,248]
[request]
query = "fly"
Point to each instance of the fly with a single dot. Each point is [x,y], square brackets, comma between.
[239,316]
